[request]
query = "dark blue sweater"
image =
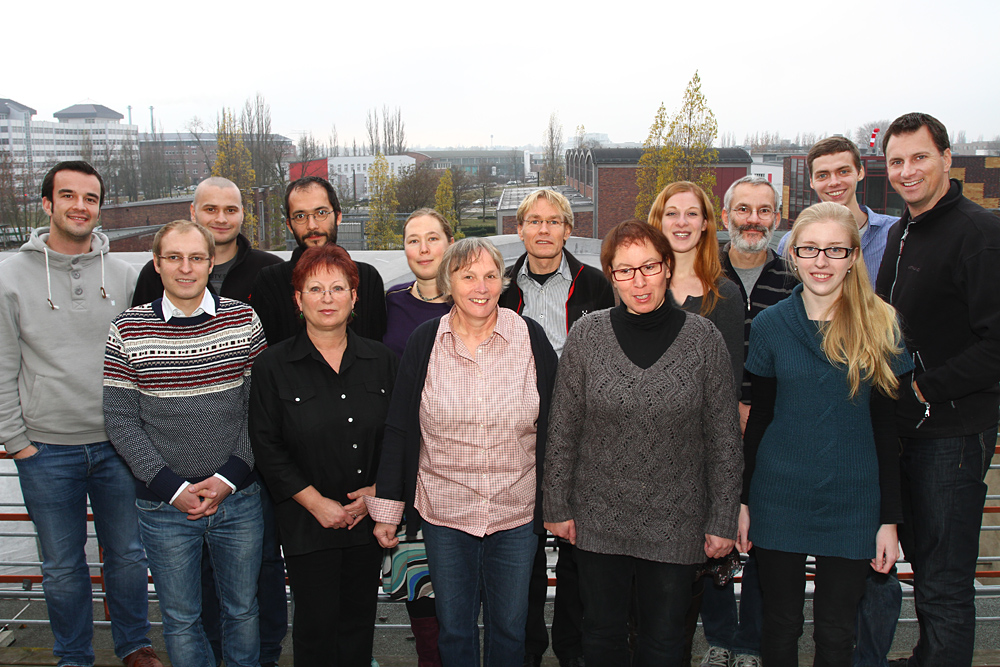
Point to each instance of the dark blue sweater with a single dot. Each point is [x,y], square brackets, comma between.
[815,486]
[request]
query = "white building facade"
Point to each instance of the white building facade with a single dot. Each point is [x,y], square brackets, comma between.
[82,131]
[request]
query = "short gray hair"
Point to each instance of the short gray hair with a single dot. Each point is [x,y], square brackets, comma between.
[464,253]
[751,179]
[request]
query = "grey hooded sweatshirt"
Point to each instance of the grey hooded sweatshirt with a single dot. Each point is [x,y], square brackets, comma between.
[55,313]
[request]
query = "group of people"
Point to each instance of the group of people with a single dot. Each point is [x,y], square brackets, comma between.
[683,404]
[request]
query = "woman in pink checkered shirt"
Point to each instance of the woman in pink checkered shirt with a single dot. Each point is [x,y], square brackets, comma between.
[462,455]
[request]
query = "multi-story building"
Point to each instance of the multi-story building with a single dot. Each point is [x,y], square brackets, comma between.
[510,164]
[607,178]
[349,173]
[190,157]
[88,131]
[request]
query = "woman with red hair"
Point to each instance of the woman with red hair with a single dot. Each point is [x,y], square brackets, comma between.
[317,414]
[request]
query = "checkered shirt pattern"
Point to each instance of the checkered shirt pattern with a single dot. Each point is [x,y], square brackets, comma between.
[477,418]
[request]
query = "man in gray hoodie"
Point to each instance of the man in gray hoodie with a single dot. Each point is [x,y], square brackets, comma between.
[58,296]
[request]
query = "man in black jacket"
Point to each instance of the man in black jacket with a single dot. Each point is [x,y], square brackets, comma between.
[217,206]
[555,289]
[940,271]
[313,215]
[547,283]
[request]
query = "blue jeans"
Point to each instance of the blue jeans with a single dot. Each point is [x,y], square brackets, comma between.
[878,614]
[738,633]
[174,546]
[943,497]
[272,597]
[662,594]
[468,571]
[55,483]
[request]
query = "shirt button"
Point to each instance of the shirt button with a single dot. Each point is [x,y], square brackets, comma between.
[75,260]
[78,290]
[76,274]
[359,471]
[382,390]
[355,445]
[343,395]
[297,399]
[350,419]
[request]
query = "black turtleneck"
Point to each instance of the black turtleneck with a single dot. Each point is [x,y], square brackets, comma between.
[646,336]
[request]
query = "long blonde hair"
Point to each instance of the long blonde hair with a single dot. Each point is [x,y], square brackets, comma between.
[863,332]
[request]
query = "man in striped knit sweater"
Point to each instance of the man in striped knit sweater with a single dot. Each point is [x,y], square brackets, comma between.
[176,390]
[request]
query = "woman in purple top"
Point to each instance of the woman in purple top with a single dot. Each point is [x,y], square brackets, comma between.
[426,235]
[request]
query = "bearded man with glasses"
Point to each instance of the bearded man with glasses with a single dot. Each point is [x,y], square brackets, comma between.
[313,214]
[751,213]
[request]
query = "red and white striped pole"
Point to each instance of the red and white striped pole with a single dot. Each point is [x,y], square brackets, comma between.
[871,144]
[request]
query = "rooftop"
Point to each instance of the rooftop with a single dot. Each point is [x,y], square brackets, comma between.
[84,111]
[632,155]
[7,106]
[512,197]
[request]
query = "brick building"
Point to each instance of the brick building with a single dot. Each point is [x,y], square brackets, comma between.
[151,214]
[607,178]
[190,157]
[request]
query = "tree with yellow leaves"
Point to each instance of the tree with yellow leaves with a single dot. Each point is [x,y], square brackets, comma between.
[381,233]
[444,201]
[232,161]
[678,149]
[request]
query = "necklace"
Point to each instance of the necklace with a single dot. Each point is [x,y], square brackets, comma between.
[422,297]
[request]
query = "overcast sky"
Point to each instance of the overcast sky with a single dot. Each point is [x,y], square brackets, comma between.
[468,73]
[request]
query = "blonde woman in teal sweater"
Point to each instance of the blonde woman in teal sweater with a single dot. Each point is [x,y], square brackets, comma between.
[821,474]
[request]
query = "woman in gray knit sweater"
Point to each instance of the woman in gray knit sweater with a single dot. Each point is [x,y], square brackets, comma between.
[642,471]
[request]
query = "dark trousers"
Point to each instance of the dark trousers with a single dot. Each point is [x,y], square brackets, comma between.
[663,595]
[737,633]
[567,617]
[943,497]
[840,583]
[536,635]
[335,602]
[878,614]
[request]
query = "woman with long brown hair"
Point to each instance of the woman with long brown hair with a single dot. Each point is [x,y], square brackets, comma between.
[685,215]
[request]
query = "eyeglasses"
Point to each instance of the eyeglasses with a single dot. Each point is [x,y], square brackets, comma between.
[317,292]
[195,260]
[744,212]
[554,224]
[320,215]
[651,269]
[833,252]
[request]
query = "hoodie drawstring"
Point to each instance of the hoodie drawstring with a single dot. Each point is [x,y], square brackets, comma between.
[104,293]
[48,279]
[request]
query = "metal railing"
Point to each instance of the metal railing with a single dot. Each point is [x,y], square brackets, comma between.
[29,581]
